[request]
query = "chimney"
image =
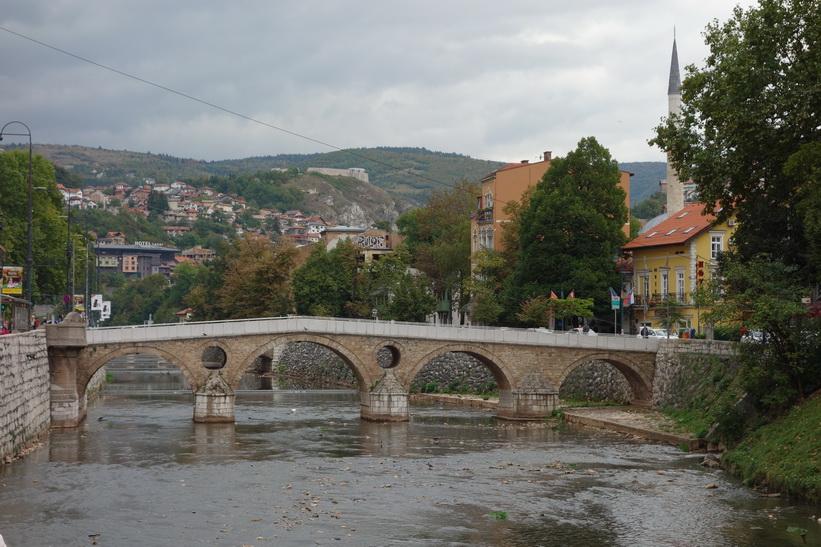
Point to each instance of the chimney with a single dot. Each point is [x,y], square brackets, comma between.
[525,161]
[548,155]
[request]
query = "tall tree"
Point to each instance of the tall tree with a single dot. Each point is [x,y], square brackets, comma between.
[438,236]
[782,365]
[570,229]
[257,280]
[744,116]
[324,284]
[48,234]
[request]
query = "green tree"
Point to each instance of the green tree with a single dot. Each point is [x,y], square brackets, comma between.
[137,301]
[208,282]
[324,284]
[745,116]
[157,205]
[570,229]
[539,310]
[650,207]
[48,234]
[411,299]
[438,236]
[257,281]
[669,312]
[784,364]
[387,286]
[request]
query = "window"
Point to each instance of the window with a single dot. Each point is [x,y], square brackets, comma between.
[646,280]
[665,285]
[680,285]
[489,200]
[715,246]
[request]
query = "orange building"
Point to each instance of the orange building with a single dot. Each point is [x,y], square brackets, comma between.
[505,185]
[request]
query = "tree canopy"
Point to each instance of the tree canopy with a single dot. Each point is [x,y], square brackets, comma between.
[748,114]
[48,234]
[570,228]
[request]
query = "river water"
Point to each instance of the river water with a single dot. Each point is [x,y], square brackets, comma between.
[301,468]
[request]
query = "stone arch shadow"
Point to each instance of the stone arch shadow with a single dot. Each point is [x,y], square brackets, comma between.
[233,374]
[493,362]
[641,386]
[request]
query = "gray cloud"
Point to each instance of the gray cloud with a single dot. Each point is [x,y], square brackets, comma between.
[500,81]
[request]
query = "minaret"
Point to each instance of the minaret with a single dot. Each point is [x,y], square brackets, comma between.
[675,189]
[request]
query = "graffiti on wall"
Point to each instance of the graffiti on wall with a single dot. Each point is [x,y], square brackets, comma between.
[370,242]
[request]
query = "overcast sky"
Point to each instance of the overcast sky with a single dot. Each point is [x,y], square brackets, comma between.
[493,80]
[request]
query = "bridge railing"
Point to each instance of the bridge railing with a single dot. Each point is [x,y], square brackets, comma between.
[362,327]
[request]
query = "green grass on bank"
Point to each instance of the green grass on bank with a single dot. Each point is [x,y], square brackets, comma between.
[784,456]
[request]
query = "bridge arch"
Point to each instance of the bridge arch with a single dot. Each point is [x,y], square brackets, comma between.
[493,362]
[99,360]
[364,377]
[641,384]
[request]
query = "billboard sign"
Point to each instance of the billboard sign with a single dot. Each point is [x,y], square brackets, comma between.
[12,280]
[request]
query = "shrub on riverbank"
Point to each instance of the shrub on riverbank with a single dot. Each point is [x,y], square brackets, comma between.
[784,456]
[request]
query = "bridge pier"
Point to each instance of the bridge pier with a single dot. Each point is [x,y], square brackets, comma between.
[533,399]
[386,402]
[65,340]
[215,402]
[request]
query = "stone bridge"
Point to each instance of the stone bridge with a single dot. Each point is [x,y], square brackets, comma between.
[528,366]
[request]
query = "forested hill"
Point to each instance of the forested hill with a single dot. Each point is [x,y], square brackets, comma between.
[408,174]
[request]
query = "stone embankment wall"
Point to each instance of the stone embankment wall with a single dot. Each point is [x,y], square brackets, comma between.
[682,366]
[25,406]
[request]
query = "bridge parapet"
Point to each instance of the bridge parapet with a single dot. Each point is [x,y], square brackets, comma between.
[387,329]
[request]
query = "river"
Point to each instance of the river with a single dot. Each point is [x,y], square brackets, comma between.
[301,468]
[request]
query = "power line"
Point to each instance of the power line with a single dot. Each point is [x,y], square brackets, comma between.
[226,110]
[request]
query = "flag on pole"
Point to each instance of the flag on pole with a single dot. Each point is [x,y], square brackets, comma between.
[613,294]
[553,295]
[572,294]
[631,299]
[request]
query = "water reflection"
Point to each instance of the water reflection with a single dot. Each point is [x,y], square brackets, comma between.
[301,468]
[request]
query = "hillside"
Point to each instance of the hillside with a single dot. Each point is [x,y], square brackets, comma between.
[344,201]
[407,174]
[645,179]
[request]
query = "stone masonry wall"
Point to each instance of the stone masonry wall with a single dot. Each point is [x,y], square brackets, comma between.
[679,364]
[596,381]
[682,366]
[25,409]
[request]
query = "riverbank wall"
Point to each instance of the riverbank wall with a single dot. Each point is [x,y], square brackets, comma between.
[25,398]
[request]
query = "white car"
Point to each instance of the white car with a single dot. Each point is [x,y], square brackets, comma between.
[580,330]
[656,333]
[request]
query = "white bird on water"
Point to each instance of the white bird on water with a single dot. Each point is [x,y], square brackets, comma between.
[293,411]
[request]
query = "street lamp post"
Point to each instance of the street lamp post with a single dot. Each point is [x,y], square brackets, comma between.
[29,266]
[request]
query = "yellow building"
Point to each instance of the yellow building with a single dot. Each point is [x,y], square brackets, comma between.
[671,259]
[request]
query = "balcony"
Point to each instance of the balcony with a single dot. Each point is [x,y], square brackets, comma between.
[483,216]
[658,299]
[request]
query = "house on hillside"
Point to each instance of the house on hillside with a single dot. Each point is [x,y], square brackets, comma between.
[112,238]
[673,258]
[198,255]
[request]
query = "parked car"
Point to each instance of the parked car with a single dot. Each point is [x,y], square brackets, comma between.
[542,330]
[580,330]
[656,333]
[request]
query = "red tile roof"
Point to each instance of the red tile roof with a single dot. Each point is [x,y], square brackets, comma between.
[677,229]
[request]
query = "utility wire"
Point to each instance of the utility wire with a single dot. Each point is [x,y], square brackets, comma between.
[226,110]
